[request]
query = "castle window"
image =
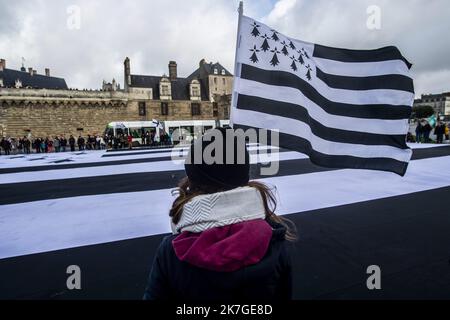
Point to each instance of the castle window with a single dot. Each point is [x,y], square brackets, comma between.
[142,109]
[215,81]
[195,91]
[223,72]
[216,71]
[164,90]
[223,81]
[195,109]
[164,108]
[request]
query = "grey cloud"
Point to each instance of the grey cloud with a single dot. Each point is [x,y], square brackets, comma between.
[153,32]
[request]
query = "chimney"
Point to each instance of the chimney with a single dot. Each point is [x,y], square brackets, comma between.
[172,70]
[2,64]
[127,73]
[34,72]
[47,72]
[30,71]
[201,63]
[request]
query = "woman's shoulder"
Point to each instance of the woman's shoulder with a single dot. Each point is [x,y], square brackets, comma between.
[166,247]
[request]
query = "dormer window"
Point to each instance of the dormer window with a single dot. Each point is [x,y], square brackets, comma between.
[195,90]
[223,72]
[165,90]
[1,82]
[216,71]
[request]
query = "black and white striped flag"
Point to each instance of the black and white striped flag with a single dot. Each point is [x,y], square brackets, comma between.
[344,108]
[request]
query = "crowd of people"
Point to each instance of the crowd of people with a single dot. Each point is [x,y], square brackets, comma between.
[28,145]
[424,129]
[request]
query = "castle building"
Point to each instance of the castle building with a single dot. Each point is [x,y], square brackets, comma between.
[439,102]
[42,105]
[197,97]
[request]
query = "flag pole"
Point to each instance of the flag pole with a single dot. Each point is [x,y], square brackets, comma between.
[237,66]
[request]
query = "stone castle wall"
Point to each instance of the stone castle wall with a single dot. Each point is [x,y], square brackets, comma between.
[43,112]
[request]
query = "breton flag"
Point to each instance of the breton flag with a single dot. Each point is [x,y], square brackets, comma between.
[343,108]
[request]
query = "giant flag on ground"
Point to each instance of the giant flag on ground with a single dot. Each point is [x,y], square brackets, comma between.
[106,212]
[344,108]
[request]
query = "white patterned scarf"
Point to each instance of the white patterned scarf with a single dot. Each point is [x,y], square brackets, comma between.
[220,209]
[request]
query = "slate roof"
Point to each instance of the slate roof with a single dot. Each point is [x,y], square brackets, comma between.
[37,81]
[180,86]
[209,68]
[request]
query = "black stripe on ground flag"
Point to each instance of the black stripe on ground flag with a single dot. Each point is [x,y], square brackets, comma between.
[348,55]
[132,182]
[287,79]
[389,81]
[122,154]
[102,163]
[298,112]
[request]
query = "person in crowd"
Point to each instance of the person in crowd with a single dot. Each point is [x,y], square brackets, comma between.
[116,142]
[88,142]
[63,143]
[50,147]
[426,132]
[447,131]
[37,145]
[13,143]
[26,145]
[92,142]
[80,142]
[123,141]
[147,138]
[108,141]
[57,144]
[410,137]
[227,242]
[43,145]
[20,146]
[419,131]
[72,143]
[3,145]
[6,145]
[130,141]
[439,131]
[98,140]
[102,144]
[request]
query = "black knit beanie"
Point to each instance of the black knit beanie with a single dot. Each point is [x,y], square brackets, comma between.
[223,173]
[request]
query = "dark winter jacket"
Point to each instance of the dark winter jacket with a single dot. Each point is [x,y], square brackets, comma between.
[439,130]
[262,272]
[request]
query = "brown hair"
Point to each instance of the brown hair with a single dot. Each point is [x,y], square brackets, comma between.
[186,193]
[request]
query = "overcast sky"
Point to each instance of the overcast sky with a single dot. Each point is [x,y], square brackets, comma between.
[152,32]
